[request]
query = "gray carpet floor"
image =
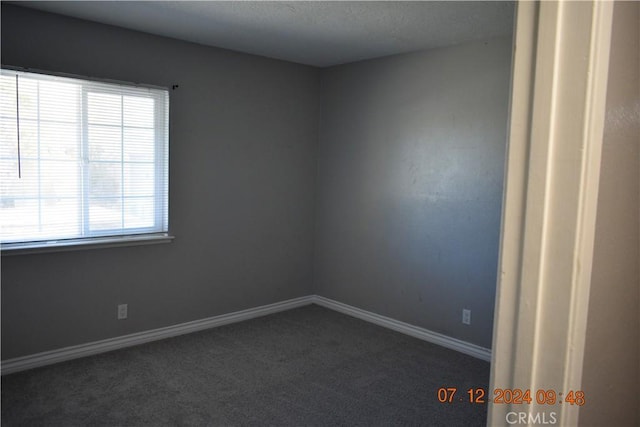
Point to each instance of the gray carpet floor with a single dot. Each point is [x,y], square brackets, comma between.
[307,366]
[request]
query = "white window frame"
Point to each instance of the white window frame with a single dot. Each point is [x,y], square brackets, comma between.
[110,238]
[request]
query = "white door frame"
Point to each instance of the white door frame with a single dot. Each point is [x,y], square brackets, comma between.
[560,70]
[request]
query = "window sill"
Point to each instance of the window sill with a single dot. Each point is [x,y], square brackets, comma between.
[75,245]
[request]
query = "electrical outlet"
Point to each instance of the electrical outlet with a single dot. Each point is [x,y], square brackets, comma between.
[466,316]
[122,311]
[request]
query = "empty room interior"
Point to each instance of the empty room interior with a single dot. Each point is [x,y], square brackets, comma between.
[311,234]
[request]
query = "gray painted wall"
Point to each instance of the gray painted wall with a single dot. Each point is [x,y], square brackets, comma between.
[243,132]
[406,168]
[611,372]
[411,161]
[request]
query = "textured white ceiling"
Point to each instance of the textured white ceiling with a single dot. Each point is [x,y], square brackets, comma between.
[307,32]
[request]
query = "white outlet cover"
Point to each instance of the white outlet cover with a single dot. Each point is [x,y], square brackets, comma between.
[122,311]
[466,316]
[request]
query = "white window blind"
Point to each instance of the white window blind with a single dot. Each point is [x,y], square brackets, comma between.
[80,159]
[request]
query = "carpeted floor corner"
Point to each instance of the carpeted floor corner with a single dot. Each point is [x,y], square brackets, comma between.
[307,366]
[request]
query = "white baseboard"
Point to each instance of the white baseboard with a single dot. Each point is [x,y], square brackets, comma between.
[68,353]
[405,328]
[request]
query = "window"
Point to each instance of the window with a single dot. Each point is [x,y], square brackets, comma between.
[81,161]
